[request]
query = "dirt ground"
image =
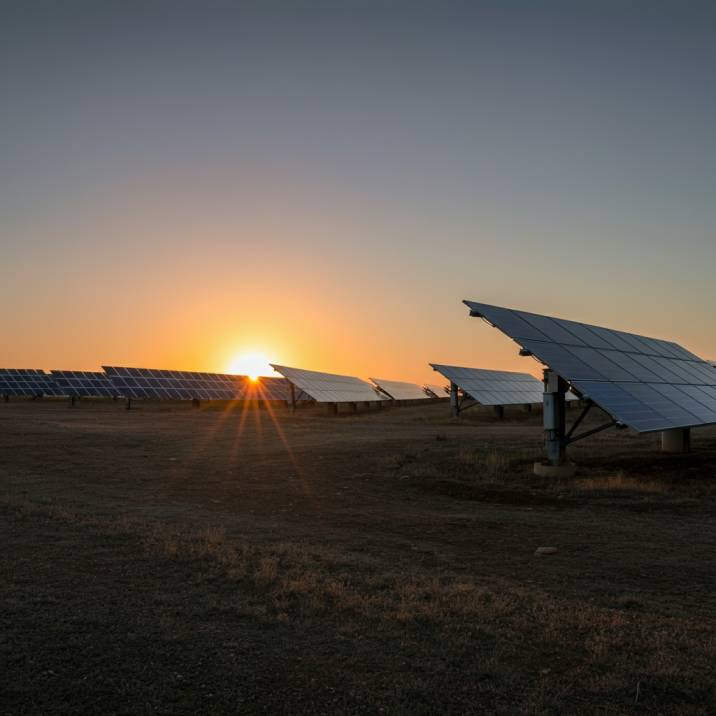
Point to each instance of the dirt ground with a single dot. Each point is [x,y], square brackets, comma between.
[174,560]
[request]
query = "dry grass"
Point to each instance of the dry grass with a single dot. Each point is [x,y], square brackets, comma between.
[484,465]
[384,563]
[295,581]
[620,482]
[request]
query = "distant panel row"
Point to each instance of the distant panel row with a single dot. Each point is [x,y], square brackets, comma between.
[400,390]
[189,385]
[437,391]
[81,383]
[330,387]
[27,382]
[494,387]
[140,383]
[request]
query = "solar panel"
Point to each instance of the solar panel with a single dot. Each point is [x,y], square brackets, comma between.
[646,383]
[328,387]
[400,390]
[494,387]
[27,382]
[263,388]
[192,385]
[82,383]
[437,391]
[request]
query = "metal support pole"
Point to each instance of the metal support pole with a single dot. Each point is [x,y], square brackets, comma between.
[129,403]
[554,417]
[195,403]
[292,401]
[500,411]
[72,401]
[454,403]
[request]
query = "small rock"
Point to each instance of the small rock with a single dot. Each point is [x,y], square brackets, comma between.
[541,551]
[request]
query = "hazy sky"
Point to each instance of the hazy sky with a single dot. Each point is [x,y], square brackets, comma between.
[326,181]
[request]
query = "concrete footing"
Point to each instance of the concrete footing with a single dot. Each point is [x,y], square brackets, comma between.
[545,469]
[677,440]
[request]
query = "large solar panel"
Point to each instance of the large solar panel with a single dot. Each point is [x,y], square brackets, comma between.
[400,390]
[328,387]
[83,383]
[27,382]
[494,387]
[191,385]
[646,383]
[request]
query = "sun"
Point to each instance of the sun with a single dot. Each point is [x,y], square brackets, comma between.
[253,364]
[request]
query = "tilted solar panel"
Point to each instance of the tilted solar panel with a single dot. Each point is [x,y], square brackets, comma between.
[400,390]
[193,385]
[83,383]
[646,383]
[329,387]
[167,384]
[494,387]
[263,388]
[437,391]
[27,382]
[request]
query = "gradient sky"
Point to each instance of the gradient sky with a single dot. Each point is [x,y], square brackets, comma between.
[181,182]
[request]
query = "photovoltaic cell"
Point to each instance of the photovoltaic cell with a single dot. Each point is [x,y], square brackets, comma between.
[646,383]
[329,387]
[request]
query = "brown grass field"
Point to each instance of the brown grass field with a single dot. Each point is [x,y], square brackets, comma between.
[170,560]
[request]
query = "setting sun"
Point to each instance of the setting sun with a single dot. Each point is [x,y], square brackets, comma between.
[253,364]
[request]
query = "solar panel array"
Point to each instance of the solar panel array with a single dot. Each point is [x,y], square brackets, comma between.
[27,382]
[494,387]
[400,390]
[645,383]
[83,383]
[329,387]
[191,385]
